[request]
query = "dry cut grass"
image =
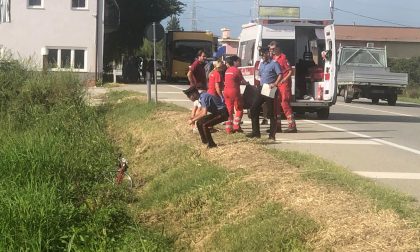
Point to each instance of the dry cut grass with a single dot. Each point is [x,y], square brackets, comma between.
[348,221]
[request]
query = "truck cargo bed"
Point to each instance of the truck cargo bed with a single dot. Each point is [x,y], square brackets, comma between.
[373,77]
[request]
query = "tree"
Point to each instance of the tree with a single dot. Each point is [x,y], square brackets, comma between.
[146,50]
[135,15]
[173,24]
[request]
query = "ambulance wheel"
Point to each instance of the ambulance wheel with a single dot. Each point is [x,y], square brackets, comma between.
[375,100]
[323,113]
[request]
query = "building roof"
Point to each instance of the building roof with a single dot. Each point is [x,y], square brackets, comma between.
[377,33]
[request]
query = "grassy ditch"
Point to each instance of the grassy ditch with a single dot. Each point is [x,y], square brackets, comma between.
[242,196]
[53,154]
[271,228]
[239,196]
[330,174]
[198,204]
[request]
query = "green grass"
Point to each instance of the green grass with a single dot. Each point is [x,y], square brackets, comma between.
[330,174]
[53,150]
[270,228]
[181,179]
[408,99]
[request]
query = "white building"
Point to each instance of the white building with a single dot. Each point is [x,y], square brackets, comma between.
[57,34]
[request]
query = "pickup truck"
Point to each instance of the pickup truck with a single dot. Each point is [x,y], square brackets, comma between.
[363,72]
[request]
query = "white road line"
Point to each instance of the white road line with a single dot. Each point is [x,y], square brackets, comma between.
[377,110]
[331,141]
[401,147]
[389,175]
[178,87]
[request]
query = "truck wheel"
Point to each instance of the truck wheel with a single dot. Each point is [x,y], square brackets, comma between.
[375,100]
[323,114]
[346,98]
[392,100]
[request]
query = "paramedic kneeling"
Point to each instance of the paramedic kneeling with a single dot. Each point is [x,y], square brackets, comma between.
[209,103]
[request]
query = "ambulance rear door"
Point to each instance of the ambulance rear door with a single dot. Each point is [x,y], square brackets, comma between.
[249,41]
[330,67]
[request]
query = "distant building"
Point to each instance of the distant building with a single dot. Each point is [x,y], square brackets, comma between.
[58,35]
[401,42]
[228,46]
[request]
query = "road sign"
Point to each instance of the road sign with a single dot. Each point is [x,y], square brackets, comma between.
[160,32]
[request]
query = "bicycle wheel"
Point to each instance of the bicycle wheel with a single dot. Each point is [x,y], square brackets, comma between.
[113,177]
[123,180]
[126,181]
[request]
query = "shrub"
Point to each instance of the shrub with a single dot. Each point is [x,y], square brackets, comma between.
[410,66]
[412,91]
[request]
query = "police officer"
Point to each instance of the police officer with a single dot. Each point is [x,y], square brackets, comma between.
[270,74]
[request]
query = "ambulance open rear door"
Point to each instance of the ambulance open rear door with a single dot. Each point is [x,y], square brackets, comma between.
[330,67]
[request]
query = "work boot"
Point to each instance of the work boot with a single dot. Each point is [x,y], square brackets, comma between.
[272,137]
[291,125]
[211,145]
[290,130]
[252,135]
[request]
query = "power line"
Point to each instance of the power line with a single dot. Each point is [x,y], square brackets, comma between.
[376,19]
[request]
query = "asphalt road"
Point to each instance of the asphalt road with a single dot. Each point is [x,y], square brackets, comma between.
[377,141]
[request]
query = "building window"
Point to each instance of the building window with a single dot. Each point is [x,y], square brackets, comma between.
[78,4]
[52,58]
[65,58]
[35,3]
[68,59]
[4,11]
[79,59]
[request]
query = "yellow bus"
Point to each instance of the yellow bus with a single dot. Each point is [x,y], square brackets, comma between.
[181,50]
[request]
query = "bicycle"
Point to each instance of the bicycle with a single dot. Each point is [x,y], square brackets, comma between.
[120,176]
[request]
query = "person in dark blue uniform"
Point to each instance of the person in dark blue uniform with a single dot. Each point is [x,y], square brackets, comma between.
[270,75]
[209,103]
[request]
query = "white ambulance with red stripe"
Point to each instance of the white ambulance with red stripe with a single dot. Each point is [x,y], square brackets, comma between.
[310,48]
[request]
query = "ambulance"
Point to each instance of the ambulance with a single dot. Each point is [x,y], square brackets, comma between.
[309,45]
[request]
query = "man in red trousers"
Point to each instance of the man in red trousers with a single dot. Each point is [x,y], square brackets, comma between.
[285,88]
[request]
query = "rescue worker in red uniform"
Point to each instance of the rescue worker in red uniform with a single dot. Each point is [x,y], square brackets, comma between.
[215,79]
[232,94]
[285,89]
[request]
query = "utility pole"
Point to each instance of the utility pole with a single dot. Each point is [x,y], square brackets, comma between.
[332,9]
[194,17]
[256,8]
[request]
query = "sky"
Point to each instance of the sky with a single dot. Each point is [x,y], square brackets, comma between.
[212,15]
